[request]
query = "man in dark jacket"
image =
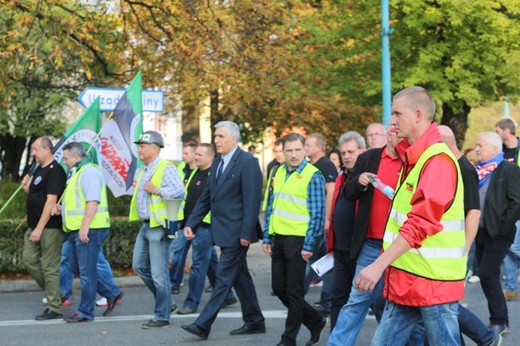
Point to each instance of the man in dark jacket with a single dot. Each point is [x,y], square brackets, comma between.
[500,205]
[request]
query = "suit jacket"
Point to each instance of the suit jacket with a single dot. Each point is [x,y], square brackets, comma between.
[366,162]
[502,201]
[234,201]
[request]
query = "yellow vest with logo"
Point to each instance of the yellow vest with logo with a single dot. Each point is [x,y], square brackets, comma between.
[75,202]
[290,214]
[180,215]
[441,256]
[158,210]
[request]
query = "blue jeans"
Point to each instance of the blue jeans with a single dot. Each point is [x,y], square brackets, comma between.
[352,315]
[105,286]
[472,261]
[150,262]
[319,251]
[474,328]
[66,275]
[511,262]
[398,321]
[83,261]
[179,251]
[469,324]
[201,256]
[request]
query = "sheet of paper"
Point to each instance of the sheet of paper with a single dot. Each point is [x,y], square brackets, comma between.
[323,265]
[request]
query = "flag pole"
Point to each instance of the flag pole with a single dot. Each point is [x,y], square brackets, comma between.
[11,198]
[110,116]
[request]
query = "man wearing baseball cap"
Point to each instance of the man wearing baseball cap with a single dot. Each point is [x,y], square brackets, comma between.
[157,182]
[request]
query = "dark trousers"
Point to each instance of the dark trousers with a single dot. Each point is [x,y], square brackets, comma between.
[344,271]
[288,273]
[490,255]
[232,272]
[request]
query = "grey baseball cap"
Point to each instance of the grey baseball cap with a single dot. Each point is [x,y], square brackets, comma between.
[151,137]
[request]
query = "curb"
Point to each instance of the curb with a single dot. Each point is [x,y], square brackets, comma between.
[258,262]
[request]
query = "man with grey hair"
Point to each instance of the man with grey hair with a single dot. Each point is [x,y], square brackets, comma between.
[500,205]
[376,136]
[340,233]
[44,236]
[367,241]
[86,222]
[233,195]
[158,181]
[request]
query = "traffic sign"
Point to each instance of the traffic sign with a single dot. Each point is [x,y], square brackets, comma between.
[153,100]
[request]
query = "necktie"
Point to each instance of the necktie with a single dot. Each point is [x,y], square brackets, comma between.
[220,168]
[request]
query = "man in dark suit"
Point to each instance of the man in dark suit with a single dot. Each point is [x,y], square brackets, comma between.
[233,195]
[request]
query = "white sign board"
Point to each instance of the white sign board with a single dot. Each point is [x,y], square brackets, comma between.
[153,100]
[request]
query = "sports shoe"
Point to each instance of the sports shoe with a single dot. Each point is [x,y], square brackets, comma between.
[64,301]
[156,324]
[174,308]
[104,303]
[48,314]
[316,282]
[499,328]
[497,341]
[473,279]
[209,289]
[510,295]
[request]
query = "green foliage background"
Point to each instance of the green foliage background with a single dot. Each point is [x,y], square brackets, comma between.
[118,246]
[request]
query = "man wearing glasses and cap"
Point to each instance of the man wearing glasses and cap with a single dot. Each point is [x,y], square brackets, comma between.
[157,182]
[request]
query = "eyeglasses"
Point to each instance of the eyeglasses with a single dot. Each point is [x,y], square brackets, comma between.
[375,134]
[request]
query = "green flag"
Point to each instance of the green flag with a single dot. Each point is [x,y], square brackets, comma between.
[85,131]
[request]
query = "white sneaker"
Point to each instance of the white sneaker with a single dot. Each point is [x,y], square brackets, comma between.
[474,279]
[102,302]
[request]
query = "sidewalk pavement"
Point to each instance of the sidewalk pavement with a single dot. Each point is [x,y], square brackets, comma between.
[258,262]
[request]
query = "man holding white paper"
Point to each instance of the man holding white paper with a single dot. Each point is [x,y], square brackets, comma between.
[295,216]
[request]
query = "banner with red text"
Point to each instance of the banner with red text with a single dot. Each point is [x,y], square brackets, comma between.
[119,159]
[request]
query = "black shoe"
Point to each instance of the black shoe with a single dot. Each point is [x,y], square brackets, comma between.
[229,302]
[48,314]
[176,290]
[284,343]
[248,330]
[196,330]
[186,310]
[76,318]
[209,289]
[155,324]
[112,302]
[322,311]
[316,333]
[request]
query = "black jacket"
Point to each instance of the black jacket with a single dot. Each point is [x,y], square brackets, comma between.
[502,201]
[366,162]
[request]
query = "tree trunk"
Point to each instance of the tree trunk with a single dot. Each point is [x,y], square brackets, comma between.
[456,121]
[215,115]
[12,147]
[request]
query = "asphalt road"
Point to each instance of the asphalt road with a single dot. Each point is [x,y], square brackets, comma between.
[123,326]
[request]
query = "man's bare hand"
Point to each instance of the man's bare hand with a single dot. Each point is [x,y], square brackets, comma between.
[188,233]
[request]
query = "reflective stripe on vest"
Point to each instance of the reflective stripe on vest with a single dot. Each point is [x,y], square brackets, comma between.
[441,256]
[75,203]
[158,210]
[290,214]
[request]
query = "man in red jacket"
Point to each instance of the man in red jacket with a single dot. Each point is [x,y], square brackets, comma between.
[424,238]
